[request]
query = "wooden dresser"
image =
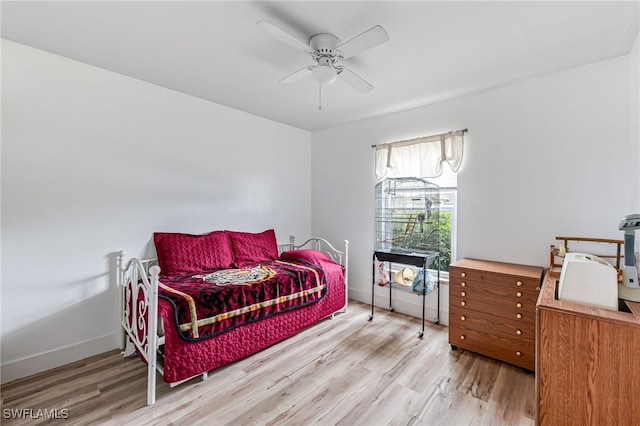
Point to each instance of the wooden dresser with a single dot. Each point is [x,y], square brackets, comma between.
[587,362]
[492,309]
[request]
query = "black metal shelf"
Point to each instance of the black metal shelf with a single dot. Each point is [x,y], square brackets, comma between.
[420,260]
[400,287]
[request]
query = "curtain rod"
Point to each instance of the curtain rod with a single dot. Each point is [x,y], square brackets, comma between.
[453,131]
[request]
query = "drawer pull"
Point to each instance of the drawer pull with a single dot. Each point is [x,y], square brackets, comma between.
[463,303]
[519,283]
[518,353]
[519,294]
[463,274]
[519,332]
[518,305]
[462,318]
[462,337]
[463,284]
[537,288]
[463,293]
[519,316]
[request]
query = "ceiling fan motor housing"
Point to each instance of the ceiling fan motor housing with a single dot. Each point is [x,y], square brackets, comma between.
[324,44]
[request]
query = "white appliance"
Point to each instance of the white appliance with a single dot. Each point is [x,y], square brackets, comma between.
[588,279]
[629,289]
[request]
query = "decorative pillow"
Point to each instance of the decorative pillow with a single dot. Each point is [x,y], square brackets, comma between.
[186,253]
[314,257]
[251,248]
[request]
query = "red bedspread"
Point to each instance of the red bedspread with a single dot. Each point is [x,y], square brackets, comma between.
[184,359]
[209,304]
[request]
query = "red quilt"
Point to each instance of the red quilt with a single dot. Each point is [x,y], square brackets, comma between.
[209,304]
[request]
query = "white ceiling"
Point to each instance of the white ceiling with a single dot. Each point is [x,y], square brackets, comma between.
[437,50]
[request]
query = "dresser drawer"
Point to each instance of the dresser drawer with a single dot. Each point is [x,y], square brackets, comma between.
[493,296]
[495,280]
[510,329]
[521,354]
[506,309]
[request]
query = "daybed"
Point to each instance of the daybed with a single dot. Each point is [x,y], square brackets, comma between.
[208,300]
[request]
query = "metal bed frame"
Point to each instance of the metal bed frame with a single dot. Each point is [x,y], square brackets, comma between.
[138,283]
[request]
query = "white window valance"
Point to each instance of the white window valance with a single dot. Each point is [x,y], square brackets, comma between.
[420,157]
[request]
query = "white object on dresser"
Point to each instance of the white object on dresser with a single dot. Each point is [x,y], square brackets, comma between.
[588,279]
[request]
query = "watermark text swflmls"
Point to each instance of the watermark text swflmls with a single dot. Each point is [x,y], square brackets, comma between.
[35,413]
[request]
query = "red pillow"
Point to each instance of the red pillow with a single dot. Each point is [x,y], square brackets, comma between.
[314,257]
[251,248]
[185,253]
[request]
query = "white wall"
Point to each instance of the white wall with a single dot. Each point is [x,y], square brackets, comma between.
[94,162]
[634,111]
[544,157]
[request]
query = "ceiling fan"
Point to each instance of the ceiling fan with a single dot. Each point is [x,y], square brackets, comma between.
[327,53]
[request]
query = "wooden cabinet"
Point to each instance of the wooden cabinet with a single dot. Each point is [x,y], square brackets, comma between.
[587,362]
[492,309]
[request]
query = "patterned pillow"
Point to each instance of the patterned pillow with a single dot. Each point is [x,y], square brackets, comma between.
[186,253]
[250,248]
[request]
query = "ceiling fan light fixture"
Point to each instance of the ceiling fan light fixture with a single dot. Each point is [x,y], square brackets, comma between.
[324,74]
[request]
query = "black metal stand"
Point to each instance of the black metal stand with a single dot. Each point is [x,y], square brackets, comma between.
[414,259]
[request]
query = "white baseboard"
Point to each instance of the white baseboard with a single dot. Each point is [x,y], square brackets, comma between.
[408,304]
[44,361]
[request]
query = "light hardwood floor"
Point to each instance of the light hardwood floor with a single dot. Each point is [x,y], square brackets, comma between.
[342,371]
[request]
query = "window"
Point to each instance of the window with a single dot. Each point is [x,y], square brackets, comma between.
[436,155]
[448,184]
[415,215]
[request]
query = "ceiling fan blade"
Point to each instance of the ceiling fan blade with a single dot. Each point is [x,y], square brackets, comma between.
[282,35]
[368,39]
[355,81]
[296,76]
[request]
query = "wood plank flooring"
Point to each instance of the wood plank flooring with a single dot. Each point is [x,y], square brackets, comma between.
[342,371]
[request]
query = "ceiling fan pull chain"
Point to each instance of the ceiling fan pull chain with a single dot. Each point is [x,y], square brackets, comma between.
[319,97]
